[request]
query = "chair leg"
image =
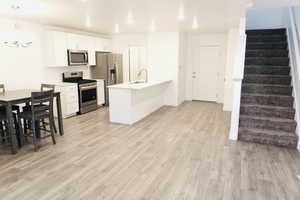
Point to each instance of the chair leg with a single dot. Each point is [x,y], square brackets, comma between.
[53,120]
[21,131]
[2,132]
[34,138]
[51,130]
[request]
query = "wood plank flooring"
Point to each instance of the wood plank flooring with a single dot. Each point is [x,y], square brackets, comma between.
[175,153]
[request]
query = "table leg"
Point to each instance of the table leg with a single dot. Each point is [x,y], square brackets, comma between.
[12,131]
[59,115]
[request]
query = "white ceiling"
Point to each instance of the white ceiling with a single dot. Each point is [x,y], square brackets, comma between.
[212,15]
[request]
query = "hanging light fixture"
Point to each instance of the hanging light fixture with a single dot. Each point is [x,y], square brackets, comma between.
[16,37]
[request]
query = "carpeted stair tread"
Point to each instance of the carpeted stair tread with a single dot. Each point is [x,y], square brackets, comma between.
[267,70]
[278,138]
[282,61]
[267,53]
[265,99]
[267,38]
[267,111]
[264,45]
[280,31]
[267,89]
[267,79]
[273,119]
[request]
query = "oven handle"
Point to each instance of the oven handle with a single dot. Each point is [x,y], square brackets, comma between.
[88,88]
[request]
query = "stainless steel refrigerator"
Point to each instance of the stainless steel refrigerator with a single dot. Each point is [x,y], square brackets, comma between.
[109,66]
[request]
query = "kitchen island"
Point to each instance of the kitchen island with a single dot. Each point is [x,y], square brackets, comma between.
[131,102]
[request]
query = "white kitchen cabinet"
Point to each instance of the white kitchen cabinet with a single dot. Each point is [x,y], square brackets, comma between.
[56,49]
[92,50]
[77,42]
[100,92]
[69,99]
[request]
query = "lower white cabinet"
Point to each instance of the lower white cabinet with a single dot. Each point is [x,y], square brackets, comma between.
[69,99]
[100,92]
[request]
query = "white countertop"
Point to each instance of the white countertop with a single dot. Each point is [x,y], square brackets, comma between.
[61,84]
[138,86]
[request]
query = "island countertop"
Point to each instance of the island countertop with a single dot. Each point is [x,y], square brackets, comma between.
[138,86]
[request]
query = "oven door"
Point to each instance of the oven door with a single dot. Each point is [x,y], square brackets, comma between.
[88,98]
[76,58]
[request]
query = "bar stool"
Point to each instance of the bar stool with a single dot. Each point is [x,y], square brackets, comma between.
[41,109]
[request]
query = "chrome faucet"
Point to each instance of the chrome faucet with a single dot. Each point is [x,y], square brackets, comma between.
[140,73]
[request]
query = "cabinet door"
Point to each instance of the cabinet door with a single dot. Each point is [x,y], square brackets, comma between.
[60,49]
[100,93]
[92,50]
[56,49]
[73,41]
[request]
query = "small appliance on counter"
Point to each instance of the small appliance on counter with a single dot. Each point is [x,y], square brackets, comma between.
[87,91]
[109,67]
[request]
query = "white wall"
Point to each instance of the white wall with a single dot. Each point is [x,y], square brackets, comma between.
[162,51]
[232,45]
[265,18]
[163,57]
[25,67]
[213,39]
[121,44]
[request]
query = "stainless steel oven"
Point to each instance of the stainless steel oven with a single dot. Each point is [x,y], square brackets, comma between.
[87,97]
[78,57]
[87,91]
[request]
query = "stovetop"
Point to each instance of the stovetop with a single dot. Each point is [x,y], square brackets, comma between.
[79,81]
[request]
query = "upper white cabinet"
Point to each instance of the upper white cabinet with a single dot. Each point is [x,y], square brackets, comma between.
[56,49]
[58,43]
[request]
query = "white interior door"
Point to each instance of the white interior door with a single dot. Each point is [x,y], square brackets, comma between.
[205,73]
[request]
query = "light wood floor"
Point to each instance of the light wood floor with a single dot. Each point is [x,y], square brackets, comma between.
[176,153]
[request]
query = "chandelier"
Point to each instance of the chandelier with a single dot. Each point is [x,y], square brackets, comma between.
[16,37]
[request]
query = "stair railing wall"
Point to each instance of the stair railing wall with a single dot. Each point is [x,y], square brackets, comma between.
[238,75]
[294,53]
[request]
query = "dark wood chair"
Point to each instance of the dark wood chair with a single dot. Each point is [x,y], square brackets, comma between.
[2,108]
[44,87]
[41,109]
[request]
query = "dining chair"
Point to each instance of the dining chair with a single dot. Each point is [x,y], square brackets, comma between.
[44,87]
[41,109]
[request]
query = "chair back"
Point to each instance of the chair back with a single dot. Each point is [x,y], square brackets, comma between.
[41,103]
[2,88]
[45,87]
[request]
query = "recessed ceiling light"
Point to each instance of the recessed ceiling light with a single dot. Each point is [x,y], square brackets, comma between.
[83,1]
[88,21]
[181,16]
[195,24]
[130,19]
[117,28]
[152,26]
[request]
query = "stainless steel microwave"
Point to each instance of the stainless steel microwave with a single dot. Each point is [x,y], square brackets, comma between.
[78,57]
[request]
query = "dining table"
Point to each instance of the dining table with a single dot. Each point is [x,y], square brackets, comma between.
[23,96]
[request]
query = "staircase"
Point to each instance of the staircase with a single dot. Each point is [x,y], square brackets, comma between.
[267,113]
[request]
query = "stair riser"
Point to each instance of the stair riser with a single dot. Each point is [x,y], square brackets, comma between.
[268,100]
[261,139]
[275,38]
[268,61]
[268,125]
[267,112]
[267,32]
[285,80]
[267,53]
[261,89]
[268,70]
[253,46]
